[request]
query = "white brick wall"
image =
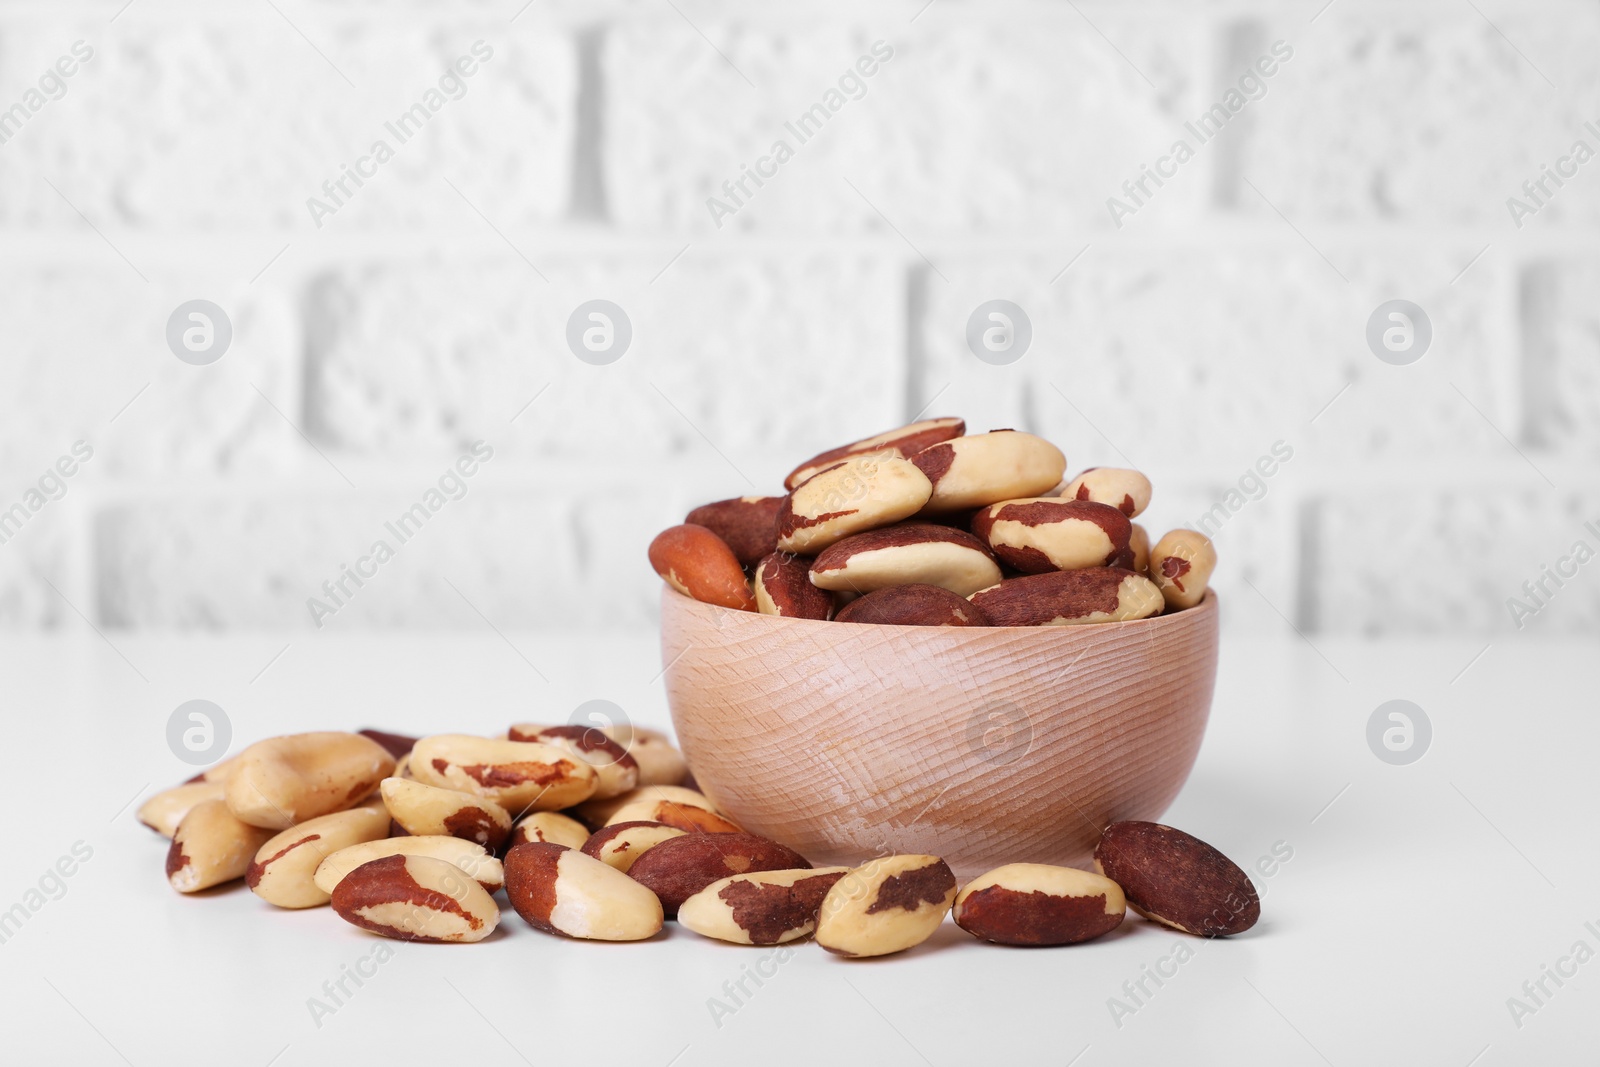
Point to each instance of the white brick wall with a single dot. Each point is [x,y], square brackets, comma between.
[1223,316]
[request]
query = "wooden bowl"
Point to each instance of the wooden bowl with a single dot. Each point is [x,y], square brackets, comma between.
[983,745]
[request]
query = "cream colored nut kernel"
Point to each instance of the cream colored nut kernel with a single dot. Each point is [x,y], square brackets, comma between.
[1040,534]
[1181,564]
[1139,545]
[218,772]
[597,813]
[562,891]
[885,906]
[550,826]
[857,494]
[517,775]
[619,844]
[908,554]
[416,898]
[432,811]
[211,846]
[470,857]
[1126,490]
[761,908]
[660,763]
[899,443]
[164,811]
[976,471]
[691,818]
[1039,904]
[1070,598]
[617,771]
[284,870]
[402,767]
[286,780]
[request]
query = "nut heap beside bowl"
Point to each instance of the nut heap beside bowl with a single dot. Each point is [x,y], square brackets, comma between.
[926,526]
[412,839]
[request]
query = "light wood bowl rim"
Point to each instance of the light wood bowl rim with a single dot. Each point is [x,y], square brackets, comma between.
[1207,606]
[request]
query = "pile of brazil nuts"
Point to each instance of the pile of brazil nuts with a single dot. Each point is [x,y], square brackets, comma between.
[929,526]
[593,834]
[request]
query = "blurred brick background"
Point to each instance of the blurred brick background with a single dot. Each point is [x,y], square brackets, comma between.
[1226,315]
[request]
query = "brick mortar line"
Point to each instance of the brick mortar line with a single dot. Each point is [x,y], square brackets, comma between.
[571,12]
[31,246]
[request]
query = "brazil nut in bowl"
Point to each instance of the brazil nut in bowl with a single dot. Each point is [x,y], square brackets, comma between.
[937,644]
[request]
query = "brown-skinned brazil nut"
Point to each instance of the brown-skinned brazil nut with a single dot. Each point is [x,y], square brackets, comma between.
[1070,598]
[783,588]
[416,898]
[900,443]
[749,525]
[700,565]
[676,870]
[1177,879]
[917,553]
[1038,904]
[913,605]
[1043,534]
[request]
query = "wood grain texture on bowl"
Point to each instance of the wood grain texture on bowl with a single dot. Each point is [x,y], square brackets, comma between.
[982,745]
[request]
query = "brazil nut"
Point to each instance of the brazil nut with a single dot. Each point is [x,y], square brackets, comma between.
[1070,598]
[1039,904]
[854,495]
[416,898]
[701,566]
[286,780]
[518,775]
[986,468]
[783,587]
[888,905]
[747,524]
[1126,490]
[1042,534]
[907,554]
[897,444]
[1181,564]
[432,811]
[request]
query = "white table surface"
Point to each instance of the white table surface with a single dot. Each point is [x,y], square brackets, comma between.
[1417,901]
